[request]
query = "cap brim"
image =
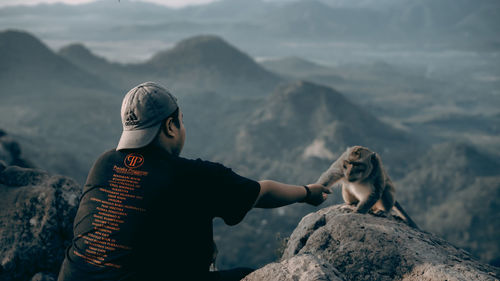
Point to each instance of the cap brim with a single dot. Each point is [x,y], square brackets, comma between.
[138,138]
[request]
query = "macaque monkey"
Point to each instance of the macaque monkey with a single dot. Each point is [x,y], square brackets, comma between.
[365,184]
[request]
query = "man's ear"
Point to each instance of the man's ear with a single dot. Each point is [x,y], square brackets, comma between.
[170,127]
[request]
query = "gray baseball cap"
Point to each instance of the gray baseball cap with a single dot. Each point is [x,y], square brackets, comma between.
[143,109]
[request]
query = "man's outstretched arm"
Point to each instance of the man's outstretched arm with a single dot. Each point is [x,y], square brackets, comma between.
[274,194]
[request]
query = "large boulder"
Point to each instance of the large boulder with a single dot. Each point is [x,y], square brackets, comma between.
[10,152]
[336,244]
[36,222]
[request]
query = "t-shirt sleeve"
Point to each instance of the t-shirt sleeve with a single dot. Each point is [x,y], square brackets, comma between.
[230,195]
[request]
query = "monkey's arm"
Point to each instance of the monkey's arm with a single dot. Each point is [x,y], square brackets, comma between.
[334,173]
[365,204]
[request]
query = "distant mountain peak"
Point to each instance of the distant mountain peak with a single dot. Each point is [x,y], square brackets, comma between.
[25,58]
[82,56]
[21,45]
[200,51]
[306,96]
[76,49]
[14,35]
[21,50]
[303,120]
[300,68]
[202,40]
[316,108]
[301,87]
[211,60]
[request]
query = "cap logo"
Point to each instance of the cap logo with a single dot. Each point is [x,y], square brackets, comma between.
[133,160]
[131,119]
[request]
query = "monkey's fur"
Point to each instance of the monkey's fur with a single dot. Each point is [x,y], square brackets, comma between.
[365,183]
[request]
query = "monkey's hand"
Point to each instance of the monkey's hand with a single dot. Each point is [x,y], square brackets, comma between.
[348,207]
[318,195]
[379,213]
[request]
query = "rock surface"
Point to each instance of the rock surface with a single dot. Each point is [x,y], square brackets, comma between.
[336,244]
[298,268]
[36,222]
[40,276]
[10,152]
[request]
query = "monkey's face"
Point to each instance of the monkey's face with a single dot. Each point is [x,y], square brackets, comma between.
[356,170]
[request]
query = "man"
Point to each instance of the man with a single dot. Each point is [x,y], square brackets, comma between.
[146,213]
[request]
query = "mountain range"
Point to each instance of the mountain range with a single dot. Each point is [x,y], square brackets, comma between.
[453,189]
[28,63]
[201,63]
[315,124]
[53,107]
[284,26]
[272,126]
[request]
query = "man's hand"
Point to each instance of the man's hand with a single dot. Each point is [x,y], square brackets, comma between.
[318,195]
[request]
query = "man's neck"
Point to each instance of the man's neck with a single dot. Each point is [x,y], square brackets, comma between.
[164,145]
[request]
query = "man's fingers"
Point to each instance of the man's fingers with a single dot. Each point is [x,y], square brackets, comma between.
[319,194]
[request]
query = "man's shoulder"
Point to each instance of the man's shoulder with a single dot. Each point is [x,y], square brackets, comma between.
[161,156]
[111,153]
[198,162]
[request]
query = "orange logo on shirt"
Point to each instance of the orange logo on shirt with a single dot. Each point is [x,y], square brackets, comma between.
[134,160]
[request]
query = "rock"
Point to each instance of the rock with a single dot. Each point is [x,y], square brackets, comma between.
[336,244]
[36,222]
[3,165]
[10,152]
[300,268]
[17,176]
[9,148]
[42,276]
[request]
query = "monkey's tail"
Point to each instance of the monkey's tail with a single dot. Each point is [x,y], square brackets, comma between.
[405,215]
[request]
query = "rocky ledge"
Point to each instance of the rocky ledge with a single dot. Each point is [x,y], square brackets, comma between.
[36,222]
[336,244]
[37,211]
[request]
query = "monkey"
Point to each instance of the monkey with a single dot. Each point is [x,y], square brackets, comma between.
[365,184]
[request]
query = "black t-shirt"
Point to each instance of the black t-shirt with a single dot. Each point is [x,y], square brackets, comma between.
[145,214]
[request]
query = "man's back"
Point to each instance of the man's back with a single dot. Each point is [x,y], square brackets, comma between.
[145,212]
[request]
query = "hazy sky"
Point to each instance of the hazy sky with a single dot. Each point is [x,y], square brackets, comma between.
[172,3]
